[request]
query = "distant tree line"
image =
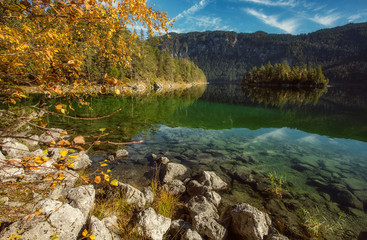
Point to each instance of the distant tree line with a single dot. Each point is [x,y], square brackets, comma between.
[283,74]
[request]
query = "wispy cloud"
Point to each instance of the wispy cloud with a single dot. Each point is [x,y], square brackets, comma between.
[326,20]
[288,26]
[198,6]
[202,23]
[284,3]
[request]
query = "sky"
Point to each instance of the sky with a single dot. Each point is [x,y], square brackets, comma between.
[271,16]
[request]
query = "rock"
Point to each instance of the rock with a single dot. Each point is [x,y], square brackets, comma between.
[162,160]
[47,206]
[14,149]
[275,235]
[99,229]
[176,187]
[211,180]
[121,153]
[200,205]
[340,194]
[132,195]
[68,221]
[52,134]
[112,225]
[152,225]
[82,198]
[62,189]
[249,222]
[191,235]
[148,195]
[9,173]
[81,160]
[174,170]
[32,141]
[209,227]
[194,188]
[179,226]
[213,197]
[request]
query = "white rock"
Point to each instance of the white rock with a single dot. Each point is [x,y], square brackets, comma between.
[83,198]
[176,187]
[249,222]
[210,179]
[208,226]
[2,157]
[99,230]
[191,235]
[195,188]
[148,195]
[121,153]
[174,170]
[47,206]
[152,225]
[81,161]
[10,173]
[132,195]
[213,197]
[14,149]
[200,205]
[68,222]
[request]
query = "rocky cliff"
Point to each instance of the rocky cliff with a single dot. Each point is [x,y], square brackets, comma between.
[226,56]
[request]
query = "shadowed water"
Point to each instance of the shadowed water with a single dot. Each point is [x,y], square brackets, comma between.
[318,144]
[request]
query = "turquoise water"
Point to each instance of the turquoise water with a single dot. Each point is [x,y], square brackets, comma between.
[318,144]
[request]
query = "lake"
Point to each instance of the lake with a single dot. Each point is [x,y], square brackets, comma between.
[300,155]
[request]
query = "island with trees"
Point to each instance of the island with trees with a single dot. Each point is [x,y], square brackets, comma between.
[282,75]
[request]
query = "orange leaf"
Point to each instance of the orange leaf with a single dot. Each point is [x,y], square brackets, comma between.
[97,179]
[37,213]
[79,140]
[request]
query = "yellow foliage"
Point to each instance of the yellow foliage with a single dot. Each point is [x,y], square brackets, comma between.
[46,42]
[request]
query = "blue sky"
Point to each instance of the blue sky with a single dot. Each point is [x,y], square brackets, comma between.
[271,16]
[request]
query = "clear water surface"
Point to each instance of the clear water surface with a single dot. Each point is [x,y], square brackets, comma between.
[316,141]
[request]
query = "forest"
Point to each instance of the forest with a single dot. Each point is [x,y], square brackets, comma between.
[284,75]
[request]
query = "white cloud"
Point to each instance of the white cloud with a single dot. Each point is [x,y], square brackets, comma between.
[284,3]
[326,20]
[288,26]
[193,9]
[202,23]
[354,17]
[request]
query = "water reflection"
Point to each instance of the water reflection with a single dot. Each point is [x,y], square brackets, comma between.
[280,96]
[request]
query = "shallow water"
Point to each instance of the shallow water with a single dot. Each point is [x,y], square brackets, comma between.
[318,144]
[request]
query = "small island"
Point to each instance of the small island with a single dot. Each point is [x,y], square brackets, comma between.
[282,75]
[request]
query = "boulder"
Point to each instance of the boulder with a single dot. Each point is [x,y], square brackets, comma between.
[9,173]
[82,198]
[121,153]
[200,205]
[162,160]
[68,222]
[209,227]
[32,141]
[148,195]
[194,188]
[213,197]
[174,170]
[211,180]
[176,187]
[132,195]
[52,134]
[80,160]
[112,226]
[152,225]
[248,222]
[184,230]
[340,194]
[67,183]
[99,229]
[47,206]
[14,149]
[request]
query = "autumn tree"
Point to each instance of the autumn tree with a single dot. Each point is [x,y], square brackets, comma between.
[47,42]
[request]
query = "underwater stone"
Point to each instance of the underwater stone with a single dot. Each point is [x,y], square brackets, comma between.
[339,193]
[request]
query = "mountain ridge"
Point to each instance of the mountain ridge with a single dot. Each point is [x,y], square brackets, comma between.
[222,55]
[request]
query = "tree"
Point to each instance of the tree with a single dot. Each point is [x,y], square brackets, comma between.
[47,42]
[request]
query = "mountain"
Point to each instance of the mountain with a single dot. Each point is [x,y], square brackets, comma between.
[227,56]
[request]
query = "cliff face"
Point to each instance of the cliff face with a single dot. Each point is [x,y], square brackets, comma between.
[226,56]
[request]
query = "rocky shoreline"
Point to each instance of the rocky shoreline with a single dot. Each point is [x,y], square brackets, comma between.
[65,211]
